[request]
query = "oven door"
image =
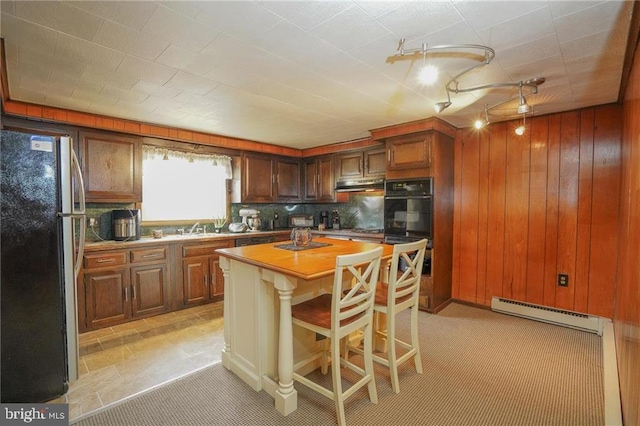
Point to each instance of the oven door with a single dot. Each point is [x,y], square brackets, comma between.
[408,217]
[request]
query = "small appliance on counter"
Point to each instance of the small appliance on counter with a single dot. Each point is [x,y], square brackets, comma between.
[251,218]
[335,220]
[238,227]
[324,218]
[300,220]
[126,225]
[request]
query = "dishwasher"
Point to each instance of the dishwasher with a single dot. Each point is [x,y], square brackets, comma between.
[251,241]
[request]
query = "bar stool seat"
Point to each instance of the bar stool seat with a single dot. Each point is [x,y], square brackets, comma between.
[349,308]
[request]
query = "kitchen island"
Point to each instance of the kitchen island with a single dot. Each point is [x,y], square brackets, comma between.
[262,282]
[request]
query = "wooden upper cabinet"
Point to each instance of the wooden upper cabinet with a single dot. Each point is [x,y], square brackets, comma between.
[267,180]
[288,180]
[111,167]
[257,179]
[361,164]
[319,179]
[409,151]
[375,162]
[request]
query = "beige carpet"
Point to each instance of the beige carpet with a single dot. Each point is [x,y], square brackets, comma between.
[480,368]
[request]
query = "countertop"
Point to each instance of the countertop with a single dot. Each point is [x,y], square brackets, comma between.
[178,239]
[307,264]
[200,238]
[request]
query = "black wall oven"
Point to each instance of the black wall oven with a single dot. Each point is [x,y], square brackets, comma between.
[408,210]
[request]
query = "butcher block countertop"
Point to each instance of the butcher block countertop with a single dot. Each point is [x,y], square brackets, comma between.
[307,264]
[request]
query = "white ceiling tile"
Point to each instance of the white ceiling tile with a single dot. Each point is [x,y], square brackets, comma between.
[145,70]
[18,31]
[167,24]
[124,95]
[416,19]
[191,83]
[188,8]
[528,53]
[27,55]
[484,14]
[295,88]
[231,50]
[75,49]
[350,29]
[155,90]
[8,6]
[534,25]
[61,16]
[306,14]
[377,8]
[194,100]
[133,42]
[244,20]
[608,44]
[63,80]
[133,14]
[67,102]
[101,76]
[188,61]
[28,95]
[600,18]
[197,37]
[561,8]
[93,97]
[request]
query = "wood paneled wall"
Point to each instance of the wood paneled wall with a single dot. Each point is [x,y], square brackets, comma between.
[627,307]
[530,207]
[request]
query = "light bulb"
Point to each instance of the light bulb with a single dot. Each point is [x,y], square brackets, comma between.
[428,74]
[520,130]
[479,124]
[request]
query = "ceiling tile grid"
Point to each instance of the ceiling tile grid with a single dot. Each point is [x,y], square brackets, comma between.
[305,73]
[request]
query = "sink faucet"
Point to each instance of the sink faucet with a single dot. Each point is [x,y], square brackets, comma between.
[193,227]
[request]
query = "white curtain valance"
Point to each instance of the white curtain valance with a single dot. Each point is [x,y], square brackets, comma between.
[150,152]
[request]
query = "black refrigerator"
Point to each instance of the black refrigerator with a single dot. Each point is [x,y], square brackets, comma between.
[42,237]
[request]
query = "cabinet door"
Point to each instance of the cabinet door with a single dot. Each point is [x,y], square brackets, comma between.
[409,152]
[258,177]
[288,185]
[149,290]
[108,300]
[216,280]
[111,167]
[195,276]
[375,163]
[327,183]
[311,180]
[349,166]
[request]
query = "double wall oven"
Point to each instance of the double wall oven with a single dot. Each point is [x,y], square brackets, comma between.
[408,213]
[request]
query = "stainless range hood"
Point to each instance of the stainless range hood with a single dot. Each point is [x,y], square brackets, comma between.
[360,185]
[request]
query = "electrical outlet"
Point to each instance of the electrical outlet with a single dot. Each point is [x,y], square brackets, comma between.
[563,280]
[92,221]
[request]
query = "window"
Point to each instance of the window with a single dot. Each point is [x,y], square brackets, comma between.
[181,186]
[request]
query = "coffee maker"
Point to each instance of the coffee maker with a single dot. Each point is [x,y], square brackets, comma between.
[125,225]
[324,218]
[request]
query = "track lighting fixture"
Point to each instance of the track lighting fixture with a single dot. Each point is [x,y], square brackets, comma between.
[481,55]
[441,106]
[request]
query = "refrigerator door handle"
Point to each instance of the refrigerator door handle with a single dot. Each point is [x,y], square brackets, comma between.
[79,213]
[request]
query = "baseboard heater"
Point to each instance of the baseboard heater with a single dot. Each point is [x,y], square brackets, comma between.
[570,319]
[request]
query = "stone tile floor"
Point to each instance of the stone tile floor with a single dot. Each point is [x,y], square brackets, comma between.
[121,361]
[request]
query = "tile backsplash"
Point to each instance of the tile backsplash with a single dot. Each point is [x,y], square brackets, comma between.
[363,210]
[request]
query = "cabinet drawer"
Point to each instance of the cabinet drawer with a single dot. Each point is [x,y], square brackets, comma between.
[148,255]
[100,260]
[203,249]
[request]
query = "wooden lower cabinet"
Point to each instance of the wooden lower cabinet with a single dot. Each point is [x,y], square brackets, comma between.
[202,279]
[123,285]
[107,297]
[149,290]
